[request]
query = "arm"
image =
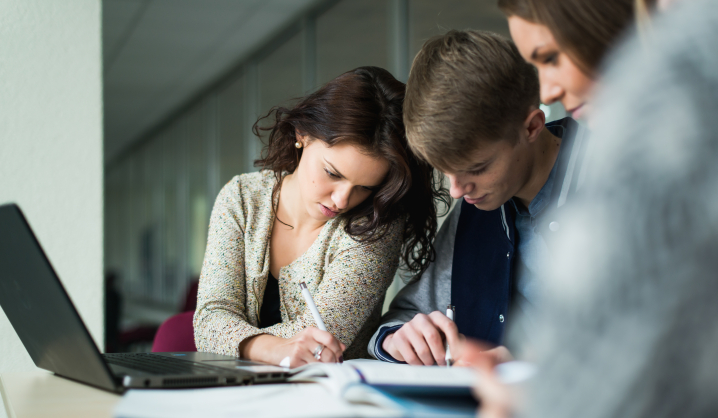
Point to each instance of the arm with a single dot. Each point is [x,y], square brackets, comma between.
[432,292]
[352,285]
[220,322]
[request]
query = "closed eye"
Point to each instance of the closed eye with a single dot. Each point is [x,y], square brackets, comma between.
[551,59]
[477,172]
[331,174]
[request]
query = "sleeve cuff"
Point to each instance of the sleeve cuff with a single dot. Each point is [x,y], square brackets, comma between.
[379,351]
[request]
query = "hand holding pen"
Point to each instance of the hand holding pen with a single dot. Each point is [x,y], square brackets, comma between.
[309,345]
[317,342]
[421,340]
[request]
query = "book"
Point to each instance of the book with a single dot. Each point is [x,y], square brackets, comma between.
[414,390]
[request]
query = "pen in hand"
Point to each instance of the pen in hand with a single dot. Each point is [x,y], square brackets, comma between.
[312,307]
[450,314]
[317,318]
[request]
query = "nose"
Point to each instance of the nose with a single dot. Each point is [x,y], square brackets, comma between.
[341,196]
[551,91]
[459,188]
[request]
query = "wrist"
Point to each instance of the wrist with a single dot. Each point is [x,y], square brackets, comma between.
[387,344]
[257,348]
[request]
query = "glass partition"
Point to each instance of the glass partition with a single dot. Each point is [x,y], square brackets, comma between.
[351,34]
[231,131]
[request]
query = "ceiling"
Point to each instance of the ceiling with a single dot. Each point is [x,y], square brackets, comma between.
[158,54]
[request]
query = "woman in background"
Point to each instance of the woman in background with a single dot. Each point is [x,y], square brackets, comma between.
[629,331]
[340,200]
[567,40]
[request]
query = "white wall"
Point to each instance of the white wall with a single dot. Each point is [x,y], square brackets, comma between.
[51,145]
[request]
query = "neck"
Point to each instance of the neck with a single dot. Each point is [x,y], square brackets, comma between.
[546,150]
[291,209]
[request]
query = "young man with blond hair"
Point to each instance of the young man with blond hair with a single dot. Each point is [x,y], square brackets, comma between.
[472,111]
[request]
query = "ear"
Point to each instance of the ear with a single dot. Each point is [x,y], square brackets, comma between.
[300,137]
[534,124]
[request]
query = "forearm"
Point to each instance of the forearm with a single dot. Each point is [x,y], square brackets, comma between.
[262,347]
[432,292]
[221,331]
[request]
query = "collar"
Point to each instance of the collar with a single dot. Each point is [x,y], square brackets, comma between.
[565,129]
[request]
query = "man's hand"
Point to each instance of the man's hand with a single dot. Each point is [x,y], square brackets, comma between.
[421,340]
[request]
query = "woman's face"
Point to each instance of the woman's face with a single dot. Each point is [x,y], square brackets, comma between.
[333,180]
[561,79]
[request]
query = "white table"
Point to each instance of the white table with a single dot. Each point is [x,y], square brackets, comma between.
[42,394]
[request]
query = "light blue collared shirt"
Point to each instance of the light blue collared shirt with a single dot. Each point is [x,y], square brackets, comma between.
[533,259]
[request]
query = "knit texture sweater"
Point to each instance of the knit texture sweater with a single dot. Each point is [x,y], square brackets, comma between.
[346,277]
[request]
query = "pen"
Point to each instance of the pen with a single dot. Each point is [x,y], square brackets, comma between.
[312,307]
[449,313]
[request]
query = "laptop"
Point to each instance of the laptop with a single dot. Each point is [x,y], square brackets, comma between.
[50,328]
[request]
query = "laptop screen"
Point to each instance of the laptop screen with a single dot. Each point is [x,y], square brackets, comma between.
[40,310]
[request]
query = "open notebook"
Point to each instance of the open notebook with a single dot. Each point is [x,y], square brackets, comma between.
[357,388]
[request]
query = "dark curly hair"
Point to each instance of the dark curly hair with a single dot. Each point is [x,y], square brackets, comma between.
[363,107]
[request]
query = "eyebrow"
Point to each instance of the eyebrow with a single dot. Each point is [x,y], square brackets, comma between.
[334,168]
[535,53]
[477,166]
[342,175]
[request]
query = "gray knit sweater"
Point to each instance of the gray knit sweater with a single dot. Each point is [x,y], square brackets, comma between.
[631,325]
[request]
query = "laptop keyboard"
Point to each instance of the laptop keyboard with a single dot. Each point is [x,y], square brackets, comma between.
[154,364]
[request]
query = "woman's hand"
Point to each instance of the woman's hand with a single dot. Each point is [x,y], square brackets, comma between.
[487,355]
[496,399]
[300,348]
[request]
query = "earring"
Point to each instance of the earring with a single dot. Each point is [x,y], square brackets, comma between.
[298,144]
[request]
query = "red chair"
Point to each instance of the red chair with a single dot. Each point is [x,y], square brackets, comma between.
[175,334]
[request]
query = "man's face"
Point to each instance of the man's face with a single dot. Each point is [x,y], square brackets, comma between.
[497,172]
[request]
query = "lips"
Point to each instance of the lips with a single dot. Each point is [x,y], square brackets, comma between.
[475,201]
[576,111]
[327,212]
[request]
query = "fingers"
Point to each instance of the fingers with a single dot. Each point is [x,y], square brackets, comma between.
[329,341]
[403,346]
[420,341]
[499,354]
[447,327]
[427,341]
[477,354]
[312,340]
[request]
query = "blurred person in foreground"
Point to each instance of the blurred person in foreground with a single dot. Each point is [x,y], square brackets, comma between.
[630,326]
[472,111]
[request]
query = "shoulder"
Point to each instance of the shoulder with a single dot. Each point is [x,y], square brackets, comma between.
[258,182]
[246,193]
[391,238]
[253,189]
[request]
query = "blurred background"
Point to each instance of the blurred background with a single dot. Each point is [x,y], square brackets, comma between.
[184,80]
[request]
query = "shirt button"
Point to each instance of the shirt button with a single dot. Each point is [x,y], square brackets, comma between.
[508,255]
[554,226]
[501,318]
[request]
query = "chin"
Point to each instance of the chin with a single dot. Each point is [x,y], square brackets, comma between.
[487,206]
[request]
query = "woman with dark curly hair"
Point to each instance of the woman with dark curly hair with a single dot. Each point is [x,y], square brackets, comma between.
[339,203]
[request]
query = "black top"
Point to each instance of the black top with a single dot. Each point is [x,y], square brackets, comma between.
[269,313]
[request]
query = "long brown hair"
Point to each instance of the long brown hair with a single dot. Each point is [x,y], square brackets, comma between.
[363,107]
[585,29]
